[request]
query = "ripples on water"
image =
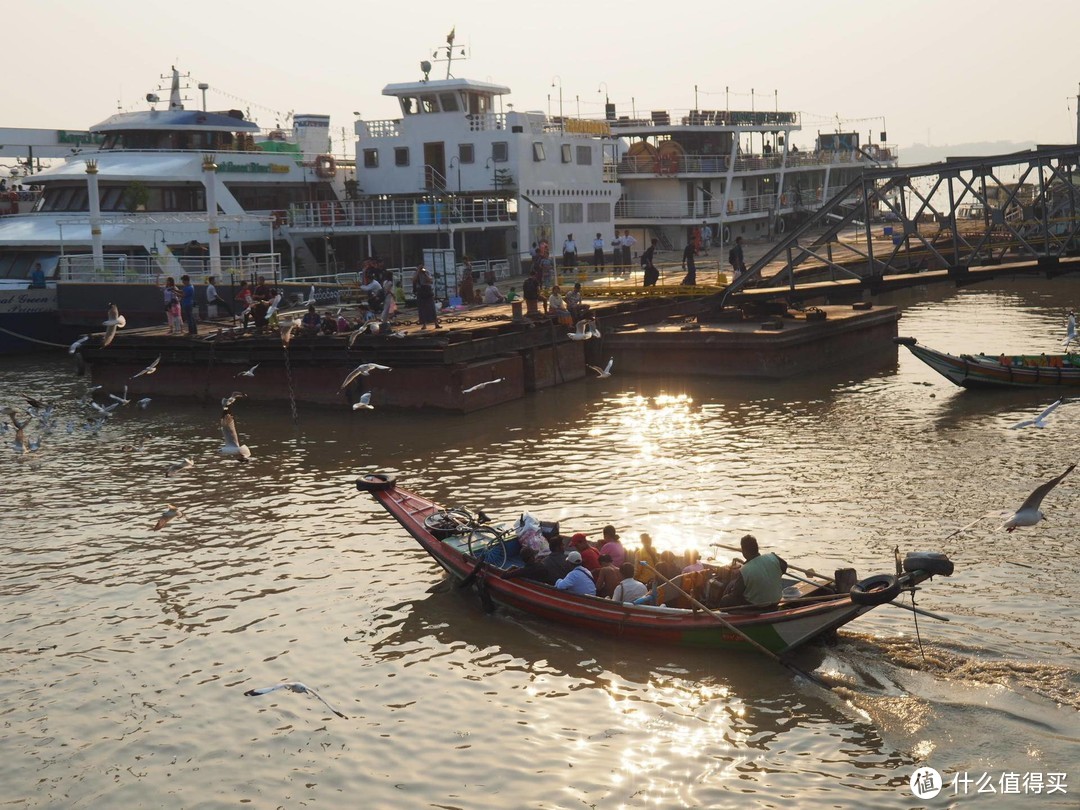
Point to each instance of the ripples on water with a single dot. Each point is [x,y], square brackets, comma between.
[126,651]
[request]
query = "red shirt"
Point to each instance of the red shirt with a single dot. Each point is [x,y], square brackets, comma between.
[590,558]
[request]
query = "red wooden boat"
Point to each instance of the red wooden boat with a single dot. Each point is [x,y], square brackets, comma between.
[469,553]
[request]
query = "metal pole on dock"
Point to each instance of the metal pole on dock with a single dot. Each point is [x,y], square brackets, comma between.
[210,172]
[95,214]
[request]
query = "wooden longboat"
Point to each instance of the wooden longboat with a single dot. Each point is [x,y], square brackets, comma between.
[1003,371]
[779,628]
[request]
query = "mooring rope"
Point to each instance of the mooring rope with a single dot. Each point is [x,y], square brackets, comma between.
[33,340]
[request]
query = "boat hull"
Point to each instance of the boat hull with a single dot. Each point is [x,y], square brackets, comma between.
[777,630]
[980,371]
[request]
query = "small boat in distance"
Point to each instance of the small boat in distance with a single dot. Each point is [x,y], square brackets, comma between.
[1003,371]
[473,550]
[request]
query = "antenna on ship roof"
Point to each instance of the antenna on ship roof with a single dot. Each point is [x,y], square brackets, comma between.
[449,49]
[176,101]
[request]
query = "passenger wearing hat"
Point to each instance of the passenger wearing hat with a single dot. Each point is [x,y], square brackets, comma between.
[579,580]
[590,557]
[612,547]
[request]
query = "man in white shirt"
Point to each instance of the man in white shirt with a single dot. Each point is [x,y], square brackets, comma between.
[598,252]
[628,243]
[706,238]
[569,252]
[492,295]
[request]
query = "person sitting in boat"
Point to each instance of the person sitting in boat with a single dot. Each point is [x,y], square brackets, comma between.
[612,547]
[556,561]
[629,589]
[578,580]
[607,577]
[329,324]
[647,553]
[311,321]
[758,580]
[532,569]
[590,557]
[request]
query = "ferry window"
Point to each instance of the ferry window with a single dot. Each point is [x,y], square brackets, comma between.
[570,212]
[448,101]
[567,156]
[584,156]
[599,212]
[401,156]
[371,158]
[538,152]
[478,103]
[408,105]
[80,201]
[466,153]
[500,152]
[428,104]
[63,199]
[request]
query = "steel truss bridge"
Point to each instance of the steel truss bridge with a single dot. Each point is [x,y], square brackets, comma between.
[959,221]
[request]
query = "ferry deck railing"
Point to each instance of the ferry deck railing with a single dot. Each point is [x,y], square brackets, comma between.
[122,269]
[718,164]
[401,212]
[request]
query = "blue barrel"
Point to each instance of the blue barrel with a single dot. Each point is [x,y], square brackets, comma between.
[425,214]
[887,231]
[898,239]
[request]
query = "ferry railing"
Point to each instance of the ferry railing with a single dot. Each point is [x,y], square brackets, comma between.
[707,118]
[718,164]
[395,212]
[119,268]
[643,209]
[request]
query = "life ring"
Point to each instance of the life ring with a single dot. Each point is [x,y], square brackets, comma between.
[726,235]
[731,206]
[875,590]
[376,482]
[325,166]
[781,225]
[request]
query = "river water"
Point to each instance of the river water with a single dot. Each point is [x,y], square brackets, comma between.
[126,652]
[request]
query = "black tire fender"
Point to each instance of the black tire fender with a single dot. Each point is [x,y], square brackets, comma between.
[376,482]
[875,590]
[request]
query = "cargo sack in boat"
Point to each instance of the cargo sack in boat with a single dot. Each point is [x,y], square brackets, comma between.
[529,534]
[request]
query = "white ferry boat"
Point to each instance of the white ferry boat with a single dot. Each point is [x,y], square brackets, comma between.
[177,191]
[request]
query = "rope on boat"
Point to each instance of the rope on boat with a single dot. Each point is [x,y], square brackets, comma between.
[917,635]
[292,389]
[32,340]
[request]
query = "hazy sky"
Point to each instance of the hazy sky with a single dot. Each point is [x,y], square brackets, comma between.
[949,71]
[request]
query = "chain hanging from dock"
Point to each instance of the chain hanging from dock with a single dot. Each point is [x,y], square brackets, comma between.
[292,390]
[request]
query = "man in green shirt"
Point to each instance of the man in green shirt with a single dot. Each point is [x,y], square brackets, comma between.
[758,580]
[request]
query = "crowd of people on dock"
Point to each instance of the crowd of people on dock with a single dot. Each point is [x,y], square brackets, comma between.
[644,575]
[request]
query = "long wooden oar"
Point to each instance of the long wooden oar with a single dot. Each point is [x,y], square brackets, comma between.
[807,571]
[810,677]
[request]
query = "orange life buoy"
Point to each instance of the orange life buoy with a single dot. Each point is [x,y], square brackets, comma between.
[325,166]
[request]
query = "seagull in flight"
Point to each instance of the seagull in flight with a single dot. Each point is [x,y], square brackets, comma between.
[364,402]
[273,308]
[293,686]
[179,466]
[105,409]
[169,513]
[287,329]
[1029,513]
[227,402]
[150,369]
[585,330]
[1040,420]
[114,321]
[249,373]
[1070,331]
[74,347]
[605,372]
[143,403]
[478,386]
[123,400]
[362,370]
[310,298]
[232,446]
[370,326]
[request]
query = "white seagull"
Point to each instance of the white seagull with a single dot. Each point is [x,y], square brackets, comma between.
[293,686]
[179,466]
[227,402]
[478,386]
[112,323]
[273,308]
[310,298]
[150,369]
[1070,331]
[121,400]
[249,373]
[105,409]
[287,329]
[585,330]
[74,347]
[1029,513]
[144,403]
[232,446]
[169,513]
[362,370]
[364,402]
[1040,420]
[605,372]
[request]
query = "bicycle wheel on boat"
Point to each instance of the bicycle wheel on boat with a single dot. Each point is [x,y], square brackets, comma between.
[488,545]
[448,522]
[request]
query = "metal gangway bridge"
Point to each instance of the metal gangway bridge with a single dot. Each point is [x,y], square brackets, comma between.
[963,220]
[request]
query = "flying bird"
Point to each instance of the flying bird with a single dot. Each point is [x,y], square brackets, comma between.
[273,308]
[287,328]
[227,402]
[105,409]
[249,373]
[74,347]
[478,386]
[1070,331]
[293,686]
[144,403]
[605,372]
[169,513]
[113,322]
[179,466]
[232,446]
[1029,513]
[150,369]
[1040,420]
[121,400]
[585,330]
[310,298]
[364,369]
[364,402]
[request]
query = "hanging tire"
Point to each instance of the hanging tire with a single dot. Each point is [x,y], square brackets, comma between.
[376,482]
[875,590]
